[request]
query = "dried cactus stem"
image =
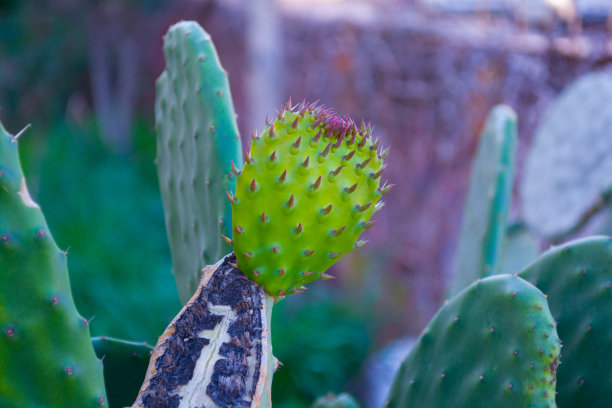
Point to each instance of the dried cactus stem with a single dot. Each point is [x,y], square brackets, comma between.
[217,351]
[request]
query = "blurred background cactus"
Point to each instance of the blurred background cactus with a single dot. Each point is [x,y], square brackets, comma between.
[89,96]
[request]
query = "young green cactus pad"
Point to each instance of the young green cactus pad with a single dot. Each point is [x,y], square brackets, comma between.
[217,351]
[577,277]
[493,345]
[125,366]
[488,201]
[569,166]
[46,356]
[520,249]
[309,186]
[197,141]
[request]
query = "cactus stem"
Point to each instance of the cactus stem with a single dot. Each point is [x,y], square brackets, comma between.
[227,240]
[351,189]
[316,184]
[253,186]
[326,210]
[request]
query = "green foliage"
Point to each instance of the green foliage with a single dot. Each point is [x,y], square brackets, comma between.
[488,201]
[46,357]
[105,210]
[568,168]
[577,277]
[493,345]
[321,341]
[125,366]
[197,140]
[308,189]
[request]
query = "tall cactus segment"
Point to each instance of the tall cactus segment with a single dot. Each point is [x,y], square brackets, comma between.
[197,141]
[309,186]
[488,200]
[46,356]
[577,277]
[493,345]
[568,173]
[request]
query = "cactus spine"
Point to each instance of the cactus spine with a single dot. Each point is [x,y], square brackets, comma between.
[197,141]
[46,356]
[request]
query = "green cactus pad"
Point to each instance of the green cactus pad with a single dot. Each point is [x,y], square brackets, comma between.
[577,277]
[307,191]
[125,367]
[197,140]
[46,356]
[343,400]
[569,166]
[493,345]
[488,201]
[520,249]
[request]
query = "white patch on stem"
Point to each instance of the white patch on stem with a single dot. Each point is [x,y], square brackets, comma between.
[25,195]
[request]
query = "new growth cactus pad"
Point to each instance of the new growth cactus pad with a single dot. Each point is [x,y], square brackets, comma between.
[308,188]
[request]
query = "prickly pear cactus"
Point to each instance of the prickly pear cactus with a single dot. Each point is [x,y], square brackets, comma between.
[125,366]
[46,356]
[343,400]
[493,345]
[488,201]
[569,167]
[520,249]
[197,141]
[577,277]
[309,186]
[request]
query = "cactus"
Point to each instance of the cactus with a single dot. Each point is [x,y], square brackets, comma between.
[577,277]
[493,345]
[343,400]
[568,169]
[520,249]
[46,356]
[125,366]
[309,186]
[488,200]
[197,140]
[217,351]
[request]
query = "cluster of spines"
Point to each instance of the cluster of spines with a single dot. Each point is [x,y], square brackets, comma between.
[336,144]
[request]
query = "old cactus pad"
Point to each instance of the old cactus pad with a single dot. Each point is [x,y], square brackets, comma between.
[493,345]
[309,186]
[577,278]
